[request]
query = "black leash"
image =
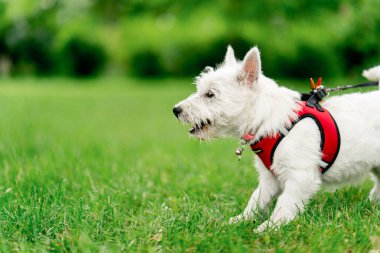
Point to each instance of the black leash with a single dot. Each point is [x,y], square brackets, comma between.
[352,86]
[318,92]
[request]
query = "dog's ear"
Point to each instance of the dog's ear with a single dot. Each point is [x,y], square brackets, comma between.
[251,67]
[229,59]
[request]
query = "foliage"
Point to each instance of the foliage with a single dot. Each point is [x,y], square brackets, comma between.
[146,63]
[82,58]
[103,168]
[165,37]
[32,51]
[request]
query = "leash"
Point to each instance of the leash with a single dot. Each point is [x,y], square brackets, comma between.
[318,91]
[353,86]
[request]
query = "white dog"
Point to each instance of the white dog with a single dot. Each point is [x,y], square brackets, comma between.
[236,99]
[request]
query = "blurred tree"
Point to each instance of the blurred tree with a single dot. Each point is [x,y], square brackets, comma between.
[29,36]
[31,45]
[147,64]
[361,45]
[82,58]
[167,37]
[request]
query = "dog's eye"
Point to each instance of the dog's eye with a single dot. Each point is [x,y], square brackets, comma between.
[210,94]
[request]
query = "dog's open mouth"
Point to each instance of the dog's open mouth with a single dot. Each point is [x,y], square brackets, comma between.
[200,127]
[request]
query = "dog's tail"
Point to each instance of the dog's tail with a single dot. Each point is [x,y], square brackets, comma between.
[372,74]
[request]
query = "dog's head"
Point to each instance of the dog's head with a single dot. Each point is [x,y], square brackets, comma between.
[217,108]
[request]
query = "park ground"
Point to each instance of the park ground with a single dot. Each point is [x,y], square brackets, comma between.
[103,166]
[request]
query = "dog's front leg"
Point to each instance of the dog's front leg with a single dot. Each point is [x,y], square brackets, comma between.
[299,187]
[268,188]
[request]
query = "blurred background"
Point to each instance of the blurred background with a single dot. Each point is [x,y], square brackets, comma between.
[160,38]
[92,155]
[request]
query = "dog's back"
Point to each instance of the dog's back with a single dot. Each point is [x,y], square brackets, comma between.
[359,113]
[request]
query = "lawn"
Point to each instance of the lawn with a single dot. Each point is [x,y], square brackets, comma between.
[103,166]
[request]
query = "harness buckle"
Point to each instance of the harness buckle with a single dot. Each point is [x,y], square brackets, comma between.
[318,92]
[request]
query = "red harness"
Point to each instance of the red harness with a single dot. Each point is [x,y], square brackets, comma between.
[330,137]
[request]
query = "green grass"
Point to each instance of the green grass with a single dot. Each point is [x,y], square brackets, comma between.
[103,166]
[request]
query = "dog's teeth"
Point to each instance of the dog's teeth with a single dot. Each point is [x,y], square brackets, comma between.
[203,125]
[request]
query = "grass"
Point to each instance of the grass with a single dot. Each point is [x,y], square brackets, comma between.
[103,166]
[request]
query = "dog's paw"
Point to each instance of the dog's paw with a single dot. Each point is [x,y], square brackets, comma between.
[241,217]
[266,225]
[236,219]
[374,196]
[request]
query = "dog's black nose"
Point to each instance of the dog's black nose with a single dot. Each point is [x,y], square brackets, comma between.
[177,110]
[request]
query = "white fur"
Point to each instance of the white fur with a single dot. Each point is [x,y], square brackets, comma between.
[372,74]
[247,101]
